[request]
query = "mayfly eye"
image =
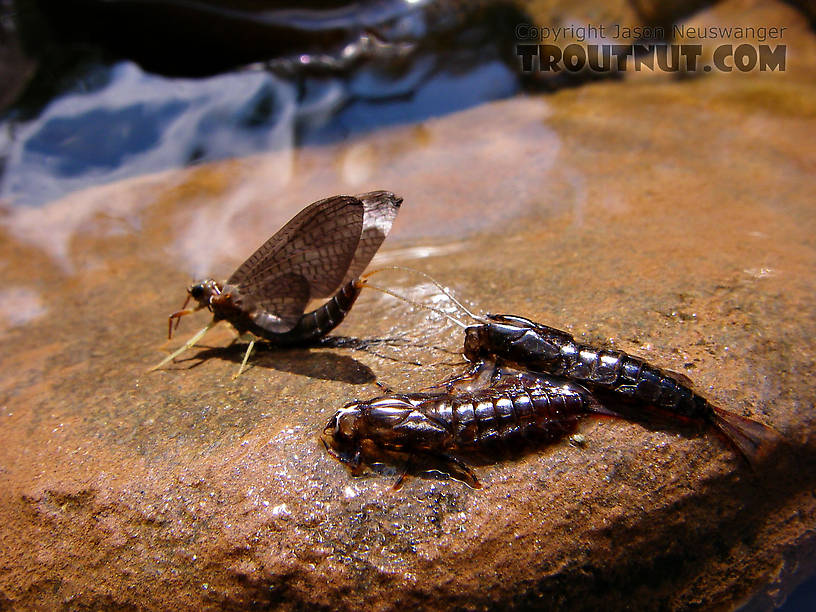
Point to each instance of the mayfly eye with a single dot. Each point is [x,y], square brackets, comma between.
[336,426]
[332,425]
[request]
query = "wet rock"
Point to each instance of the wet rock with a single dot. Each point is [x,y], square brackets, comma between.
[554,13]
[748,22]
[666,14]
[808,7]
[577,24]
[673,220]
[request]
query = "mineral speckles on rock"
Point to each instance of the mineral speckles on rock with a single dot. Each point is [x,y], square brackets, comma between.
[157,485]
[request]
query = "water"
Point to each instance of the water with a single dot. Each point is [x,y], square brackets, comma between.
[111,119]
[802,599]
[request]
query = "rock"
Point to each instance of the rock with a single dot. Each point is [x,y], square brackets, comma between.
[673,220]
[808,7]
[752,23]
[666,14]
[579,24]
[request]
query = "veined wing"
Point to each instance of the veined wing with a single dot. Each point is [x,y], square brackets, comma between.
[307,258]
[317,244]
[380,208]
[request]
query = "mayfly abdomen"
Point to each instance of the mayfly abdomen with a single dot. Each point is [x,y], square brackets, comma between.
[322,320]
[517,409]
[606,367]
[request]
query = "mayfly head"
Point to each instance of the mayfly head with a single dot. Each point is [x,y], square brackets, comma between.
[203,292]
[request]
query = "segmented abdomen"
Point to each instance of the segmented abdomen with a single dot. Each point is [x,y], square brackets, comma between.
[584,363]
[483,418]
[650,385]
[322,320]
[632,378]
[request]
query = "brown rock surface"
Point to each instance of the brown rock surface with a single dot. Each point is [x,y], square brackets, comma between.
[734,15]
[671,220]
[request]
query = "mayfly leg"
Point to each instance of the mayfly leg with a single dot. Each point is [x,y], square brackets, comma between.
[188,345]
[477,376]
[177,316]
[246,358]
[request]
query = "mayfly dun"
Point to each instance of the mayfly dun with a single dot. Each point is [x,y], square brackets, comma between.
[320,253]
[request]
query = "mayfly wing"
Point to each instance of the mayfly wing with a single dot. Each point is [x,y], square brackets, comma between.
[317,246]
[380,208]
[288,297]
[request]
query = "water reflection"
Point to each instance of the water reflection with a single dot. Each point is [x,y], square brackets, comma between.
[116,120]
[139,123]
[19,305]
[207,219]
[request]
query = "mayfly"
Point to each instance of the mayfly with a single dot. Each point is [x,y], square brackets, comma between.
[610,375]
[438,428]
[320,253]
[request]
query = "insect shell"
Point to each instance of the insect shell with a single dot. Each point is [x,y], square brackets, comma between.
[613,376]
[434,428]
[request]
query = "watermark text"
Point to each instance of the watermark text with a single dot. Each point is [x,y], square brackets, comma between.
[666,58]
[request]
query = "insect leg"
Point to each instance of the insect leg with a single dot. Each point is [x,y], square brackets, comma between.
[443,464]
[477,376]
[246,358]
[177,316]
[460,471]
[188,345]
[386,389]
[409,464]
[356,463]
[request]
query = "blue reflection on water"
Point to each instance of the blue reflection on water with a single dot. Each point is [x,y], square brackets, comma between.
[441,94]
[106,139]
[133,122]
[138,123]
[803,599]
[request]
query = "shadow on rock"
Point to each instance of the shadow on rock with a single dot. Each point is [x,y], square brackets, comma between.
[303,361]
[720,517]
